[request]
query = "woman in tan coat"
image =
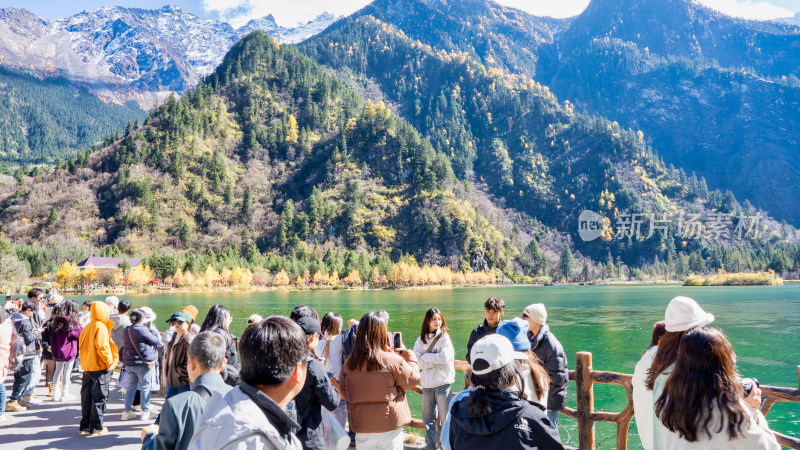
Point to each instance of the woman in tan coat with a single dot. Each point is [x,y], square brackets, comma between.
[373,381]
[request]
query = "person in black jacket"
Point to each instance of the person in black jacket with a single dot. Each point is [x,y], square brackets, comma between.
[317,392]
[550,352]
[219,320]
[493,310]
[29,336]
[493,415]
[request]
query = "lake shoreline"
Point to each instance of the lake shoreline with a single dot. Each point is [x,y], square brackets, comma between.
[251,289]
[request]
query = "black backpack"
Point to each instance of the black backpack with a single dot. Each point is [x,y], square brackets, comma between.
[348,340]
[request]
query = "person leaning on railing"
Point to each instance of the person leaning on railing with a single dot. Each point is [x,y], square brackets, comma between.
[704,405]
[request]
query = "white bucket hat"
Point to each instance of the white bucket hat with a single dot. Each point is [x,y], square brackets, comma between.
[149,315]
[683,314]
[495,350]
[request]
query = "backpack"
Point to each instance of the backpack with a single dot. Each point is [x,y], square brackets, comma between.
[348,341]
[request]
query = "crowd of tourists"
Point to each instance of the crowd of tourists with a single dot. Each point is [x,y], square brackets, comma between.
[307,382]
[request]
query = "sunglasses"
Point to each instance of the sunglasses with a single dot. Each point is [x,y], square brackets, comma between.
[178,322]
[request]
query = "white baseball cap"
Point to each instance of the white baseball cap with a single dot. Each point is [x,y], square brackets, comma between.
[537,312]
[496,350]
[683,314]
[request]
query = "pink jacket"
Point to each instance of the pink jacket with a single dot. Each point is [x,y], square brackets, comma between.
[5,346]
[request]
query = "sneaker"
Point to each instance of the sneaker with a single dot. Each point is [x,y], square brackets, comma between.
[127,415]
[145,416]
[50,389]
[98,433]
[33,401]
[24,403]
[83,432]
[15,406]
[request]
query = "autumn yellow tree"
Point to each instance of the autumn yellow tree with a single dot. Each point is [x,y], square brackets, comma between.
[139,276]
[320,278]
[401,273]
[292,132]
[281,279]
[225,275]
[211,276]
[67,273]
[334,279]
[88,275]
[353,278]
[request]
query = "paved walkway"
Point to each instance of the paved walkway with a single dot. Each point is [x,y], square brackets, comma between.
[54,425]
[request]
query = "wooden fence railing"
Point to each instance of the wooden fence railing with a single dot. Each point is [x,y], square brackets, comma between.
[585,377]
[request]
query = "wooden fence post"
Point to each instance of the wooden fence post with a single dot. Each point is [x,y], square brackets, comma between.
[583,382]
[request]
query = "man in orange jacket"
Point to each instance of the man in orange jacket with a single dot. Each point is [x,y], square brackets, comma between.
[97,353]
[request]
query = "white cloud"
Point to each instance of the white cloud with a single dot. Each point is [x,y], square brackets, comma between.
[287,13]
[748,9]
[292,12]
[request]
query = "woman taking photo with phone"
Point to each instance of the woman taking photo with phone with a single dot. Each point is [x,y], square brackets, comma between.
[704,406]
[436,356]
[373,381]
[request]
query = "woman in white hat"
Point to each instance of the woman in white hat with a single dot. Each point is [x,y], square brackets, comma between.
[682,315]
[704,404]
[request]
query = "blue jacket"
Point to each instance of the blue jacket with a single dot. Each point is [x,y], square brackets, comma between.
[145,340]
[180,412]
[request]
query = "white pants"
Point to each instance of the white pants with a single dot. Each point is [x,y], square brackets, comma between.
[63,368]
[391,440]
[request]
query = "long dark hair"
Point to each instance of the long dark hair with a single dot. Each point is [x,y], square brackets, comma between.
[370,342]
[426,324]
[704,379]
[498,380]
[65,318]
[216,318]
[665,356]
[659,329]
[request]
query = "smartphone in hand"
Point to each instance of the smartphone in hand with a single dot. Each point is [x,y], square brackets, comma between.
[398,340]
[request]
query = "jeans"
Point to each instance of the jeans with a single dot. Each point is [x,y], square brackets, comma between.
[173,391]
[36,376]
[138,374]
[434,399]
[22,378]
[63,368]
[94,393]
[2,399]
[391,440]
[553,416]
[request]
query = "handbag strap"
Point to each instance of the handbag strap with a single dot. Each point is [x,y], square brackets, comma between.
[134,346]
[434,341]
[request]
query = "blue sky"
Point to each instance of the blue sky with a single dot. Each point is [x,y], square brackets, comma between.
[237,12]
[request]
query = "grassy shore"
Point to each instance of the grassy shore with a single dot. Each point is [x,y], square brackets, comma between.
[735,279]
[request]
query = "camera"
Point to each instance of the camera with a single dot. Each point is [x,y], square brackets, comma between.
[398,340]
[747,385]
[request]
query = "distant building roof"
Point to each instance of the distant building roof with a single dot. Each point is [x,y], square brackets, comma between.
[99,262]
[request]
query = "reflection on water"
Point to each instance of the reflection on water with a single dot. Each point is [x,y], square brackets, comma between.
[612,322]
